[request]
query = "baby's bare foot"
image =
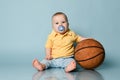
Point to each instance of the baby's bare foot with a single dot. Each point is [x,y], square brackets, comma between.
[38,65]
[70,66]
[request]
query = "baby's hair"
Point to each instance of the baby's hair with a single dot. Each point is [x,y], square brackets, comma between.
[60,13]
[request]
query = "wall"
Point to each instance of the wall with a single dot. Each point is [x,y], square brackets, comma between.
[25,24]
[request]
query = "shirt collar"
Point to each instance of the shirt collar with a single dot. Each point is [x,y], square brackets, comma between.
[67,33]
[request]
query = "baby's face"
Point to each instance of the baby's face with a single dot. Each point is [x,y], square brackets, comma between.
[59,20]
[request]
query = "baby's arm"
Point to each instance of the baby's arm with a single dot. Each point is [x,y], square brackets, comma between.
[48,53]
[83,38]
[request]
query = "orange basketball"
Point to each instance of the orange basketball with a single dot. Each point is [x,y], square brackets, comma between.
[89,53]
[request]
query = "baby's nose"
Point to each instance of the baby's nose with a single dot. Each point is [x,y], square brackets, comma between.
[60,24]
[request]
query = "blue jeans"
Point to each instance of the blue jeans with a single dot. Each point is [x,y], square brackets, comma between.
[58,62]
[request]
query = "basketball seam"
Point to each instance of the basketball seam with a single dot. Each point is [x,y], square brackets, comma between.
[90,58]
[88,47]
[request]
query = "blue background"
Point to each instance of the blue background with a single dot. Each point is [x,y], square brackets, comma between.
[25,25]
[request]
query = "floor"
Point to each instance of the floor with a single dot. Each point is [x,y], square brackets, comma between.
[59,74]
[106,71]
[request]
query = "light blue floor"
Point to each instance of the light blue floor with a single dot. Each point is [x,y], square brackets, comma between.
[107,71]
[59,74]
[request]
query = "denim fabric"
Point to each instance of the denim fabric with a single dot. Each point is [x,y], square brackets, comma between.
[59,62]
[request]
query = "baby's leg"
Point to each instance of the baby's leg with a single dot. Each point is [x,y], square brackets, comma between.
[39,66]
[71,66]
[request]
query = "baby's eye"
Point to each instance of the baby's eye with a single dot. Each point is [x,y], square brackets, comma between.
[56,23]
[63,22]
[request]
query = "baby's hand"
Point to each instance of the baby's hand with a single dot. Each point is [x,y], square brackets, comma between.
[48,54]
[85,38]
[48,57]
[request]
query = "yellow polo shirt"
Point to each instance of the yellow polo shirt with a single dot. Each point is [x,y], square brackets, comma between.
[62,44]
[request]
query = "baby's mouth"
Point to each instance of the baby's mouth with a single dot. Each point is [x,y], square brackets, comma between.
[61,28]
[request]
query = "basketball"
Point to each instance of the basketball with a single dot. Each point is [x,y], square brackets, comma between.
[89,53]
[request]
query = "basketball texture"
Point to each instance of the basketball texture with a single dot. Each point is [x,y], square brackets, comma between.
[89,53]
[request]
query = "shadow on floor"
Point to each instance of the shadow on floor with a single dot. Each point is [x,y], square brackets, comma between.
[108,63]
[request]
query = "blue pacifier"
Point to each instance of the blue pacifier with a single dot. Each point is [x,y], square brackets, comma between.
[61,28]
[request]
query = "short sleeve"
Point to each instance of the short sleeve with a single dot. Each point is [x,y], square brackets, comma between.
[77,37]
[48,42]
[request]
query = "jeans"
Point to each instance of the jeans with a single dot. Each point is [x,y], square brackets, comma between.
[58,62]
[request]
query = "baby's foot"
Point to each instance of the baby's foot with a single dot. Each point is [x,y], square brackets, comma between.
[70,66]
[38,65]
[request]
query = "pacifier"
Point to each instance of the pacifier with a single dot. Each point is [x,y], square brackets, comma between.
[61,28]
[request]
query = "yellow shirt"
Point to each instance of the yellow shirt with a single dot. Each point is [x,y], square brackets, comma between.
[62,44]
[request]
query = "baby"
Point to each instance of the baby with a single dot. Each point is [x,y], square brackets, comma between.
[59,46]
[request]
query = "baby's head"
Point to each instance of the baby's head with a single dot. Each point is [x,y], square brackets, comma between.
[60,23]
